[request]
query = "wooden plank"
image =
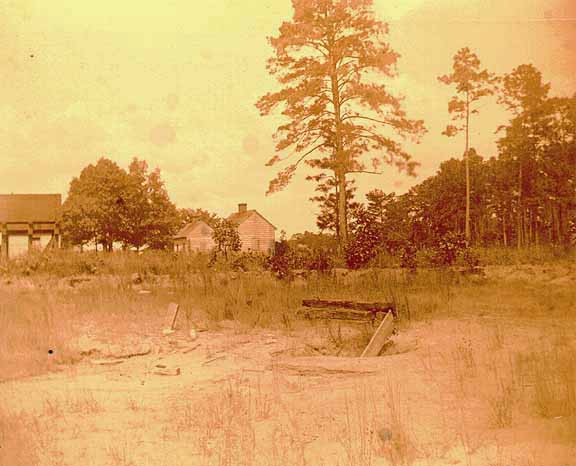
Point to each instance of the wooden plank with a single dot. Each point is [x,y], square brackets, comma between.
[173,309]
[337,313]
[380,337]
[373,307]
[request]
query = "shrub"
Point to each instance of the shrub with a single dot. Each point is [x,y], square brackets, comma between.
[321,261]
[408,257]
[447,249]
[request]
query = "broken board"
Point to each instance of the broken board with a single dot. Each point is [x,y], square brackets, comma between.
[380,337]
[173,309]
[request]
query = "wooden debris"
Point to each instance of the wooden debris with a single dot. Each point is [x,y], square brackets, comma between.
[142,352]
[106,362]
[212,360]
[192,348]
[344,310]
[359,306]
[337,314]
[380,337]
[173,309]
[168,372]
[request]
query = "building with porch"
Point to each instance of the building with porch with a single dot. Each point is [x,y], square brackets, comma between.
[34,218]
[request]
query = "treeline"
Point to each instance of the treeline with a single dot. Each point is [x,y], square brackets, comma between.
[523,196]
[108,205]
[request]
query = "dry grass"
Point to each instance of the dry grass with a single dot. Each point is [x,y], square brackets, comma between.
[18,445]
[254,422]
[399,447]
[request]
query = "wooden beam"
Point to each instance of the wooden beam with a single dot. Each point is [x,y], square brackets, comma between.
[5,242]
[338,314]
[380,337]
[372,307]
[173,309]
[30,236]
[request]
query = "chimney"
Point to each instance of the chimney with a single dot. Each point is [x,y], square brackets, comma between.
[242,208]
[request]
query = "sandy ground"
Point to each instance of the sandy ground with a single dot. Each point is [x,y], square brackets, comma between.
[238,396]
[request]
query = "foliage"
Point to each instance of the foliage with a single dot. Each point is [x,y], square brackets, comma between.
[313,241]
[107,204]
[289,256]
[367,240]
[330,59]
[283,262]
[226,237]
[321,261]
[152,218]
[471,84]
[537,160]
[408,257]
[447,249]
[95,210]
[187,215]
[327,198]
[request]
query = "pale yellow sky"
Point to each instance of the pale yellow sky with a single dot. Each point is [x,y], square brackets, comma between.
[175,82]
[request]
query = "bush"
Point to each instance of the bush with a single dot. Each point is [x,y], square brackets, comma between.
[287,259]
[321,261]
[408,257]
[447,249]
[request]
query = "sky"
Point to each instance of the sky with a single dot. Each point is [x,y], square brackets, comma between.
[175,83]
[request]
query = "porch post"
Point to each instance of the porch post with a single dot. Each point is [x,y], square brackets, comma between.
[5,242]
[56,237]
[30,237]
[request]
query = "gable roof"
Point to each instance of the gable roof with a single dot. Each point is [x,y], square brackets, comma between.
[240,217]
[190,227]
[16,208]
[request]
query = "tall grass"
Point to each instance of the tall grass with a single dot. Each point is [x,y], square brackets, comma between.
[18,445]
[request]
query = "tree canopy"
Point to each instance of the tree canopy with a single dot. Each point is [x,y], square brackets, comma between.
[331,60]
[107,204]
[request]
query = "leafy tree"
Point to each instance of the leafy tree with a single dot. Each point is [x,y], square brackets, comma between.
[163,213]
[95,209]
[106,204]
[226,237]
[328,59]
[367,240]
[187,215]
[137,218]
[314,241]
[79,223]
[472,84]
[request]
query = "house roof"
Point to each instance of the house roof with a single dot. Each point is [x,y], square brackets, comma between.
[24,208]
[240,217]
[189,228]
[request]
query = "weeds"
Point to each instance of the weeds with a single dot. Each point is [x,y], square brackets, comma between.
[358,437]
[17,446]
[502,404]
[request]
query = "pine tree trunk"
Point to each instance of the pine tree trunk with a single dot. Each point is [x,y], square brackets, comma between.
[504,231]
[342,210]
[341,160]
[520,226]
[467,163]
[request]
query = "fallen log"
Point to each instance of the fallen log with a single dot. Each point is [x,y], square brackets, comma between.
[338,314]
[358,306]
